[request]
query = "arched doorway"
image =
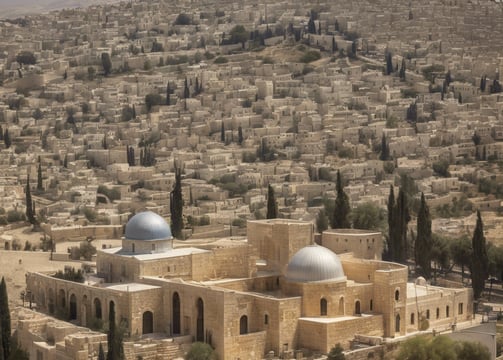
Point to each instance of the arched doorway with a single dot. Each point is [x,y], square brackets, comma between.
[98,314]
[62,298]
[176,314]
[200,320]
[397,323]
[50,301]
[148,322]
[84,312]
[357,307]
[243,325]
[73,307]
[323,307]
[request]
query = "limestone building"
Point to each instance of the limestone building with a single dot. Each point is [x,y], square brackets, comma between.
[275,291]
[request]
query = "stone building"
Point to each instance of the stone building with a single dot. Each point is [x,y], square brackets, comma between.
[276,291]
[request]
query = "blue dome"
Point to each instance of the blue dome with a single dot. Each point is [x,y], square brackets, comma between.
[314,263]
[146,226]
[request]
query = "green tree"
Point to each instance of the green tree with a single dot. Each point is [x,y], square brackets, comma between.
[106,63]
[272,206]
[322,221]
[384,156]
[368,216]
[336,353]
[398,218]
[30,213]
[114,337]
[176,205]
[468,350]
[342,210]
[423,244]
[101,353]
[239,35]
[480,260]
[39,177]
[152,100]
[26,58]
[461,253]
[240,135]
[201,351]
[6,139]
[5,320]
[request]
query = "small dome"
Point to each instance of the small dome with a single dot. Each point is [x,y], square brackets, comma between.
[314,263]
[147,225]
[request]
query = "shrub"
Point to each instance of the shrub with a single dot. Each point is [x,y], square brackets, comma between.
[201,351]
[310,56]
[221,60]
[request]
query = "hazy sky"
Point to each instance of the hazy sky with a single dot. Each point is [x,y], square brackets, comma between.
[14,8]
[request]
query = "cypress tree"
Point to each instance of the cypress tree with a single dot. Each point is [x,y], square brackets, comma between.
[424,243]
[391,208]
[176,205]
[5,320]
[29,203]
[186,92]
[65,162]
[342,209]
[389,63]
[222,133]
[480,260]
[39,177]
[311,26]
[6,139]
[272,206]
[101,353]
[402,70]
[114,337]
[384,149]
[401,219]
[240,135]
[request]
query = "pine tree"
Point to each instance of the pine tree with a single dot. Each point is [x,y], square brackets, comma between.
[39,177]
[272,206]
[29,203]
[240,135]
[176,205]
[424,243]
[5,320]
[342,209]
[101,353]
[480,260]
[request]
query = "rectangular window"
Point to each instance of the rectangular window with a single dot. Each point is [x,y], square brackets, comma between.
[460,309]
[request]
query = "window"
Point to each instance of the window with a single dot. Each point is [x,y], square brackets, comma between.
[447,311]
[266,319]
[153,247]
[428,314]
[460,309]
[412,318]
[243,325]
[397,295]
[323,307]
[371,305]
[438,313]
[132,247]
[357,308]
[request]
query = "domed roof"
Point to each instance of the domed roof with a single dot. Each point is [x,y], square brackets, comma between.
[314,263]
[147,225]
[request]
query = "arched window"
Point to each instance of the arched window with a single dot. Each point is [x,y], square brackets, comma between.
[397,323]
[428,314]
[371,305]
[438,313]
[266,319]
[148,322]
[73,307]
[176,313]
[341,306]
[323,307]
[200,320]
[132,247]
[447,311]
[243,325]
[397,295]
[357,307]
[412,319]
[97,309]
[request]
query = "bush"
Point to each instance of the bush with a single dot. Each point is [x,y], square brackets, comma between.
[310,56]
[183,19]
[15,216]
[221,60]
[201,351]
[70,274]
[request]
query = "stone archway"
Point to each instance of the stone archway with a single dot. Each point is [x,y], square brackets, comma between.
[98,312]
[323,307]
[243,325]
[357,308]
[176,314]
[200,320]
[147,322]
[62,298]
[397,323]
[73,308]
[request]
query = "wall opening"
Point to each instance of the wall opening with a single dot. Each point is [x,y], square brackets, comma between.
[243,325]
[73,307]
[148,322]
[176,314]
[98,314]
[200,320]
[357,307]
[323,307]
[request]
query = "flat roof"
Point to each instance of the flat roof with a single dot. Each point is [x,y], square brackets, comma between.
[131,287]
[156,256]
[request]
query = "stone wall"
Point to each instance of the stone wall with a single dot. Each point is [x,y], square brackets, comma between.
[363,244]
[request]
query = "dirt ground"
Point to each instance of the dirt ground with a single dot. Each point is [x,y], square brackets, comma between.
[15,264]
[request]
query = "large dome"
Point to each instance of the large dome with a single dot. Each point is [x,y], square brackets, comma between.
[314,263]
[147,225]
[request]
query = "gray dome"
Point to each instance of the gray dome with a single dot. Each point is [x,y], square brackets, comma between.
[314,263]
[147,225]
